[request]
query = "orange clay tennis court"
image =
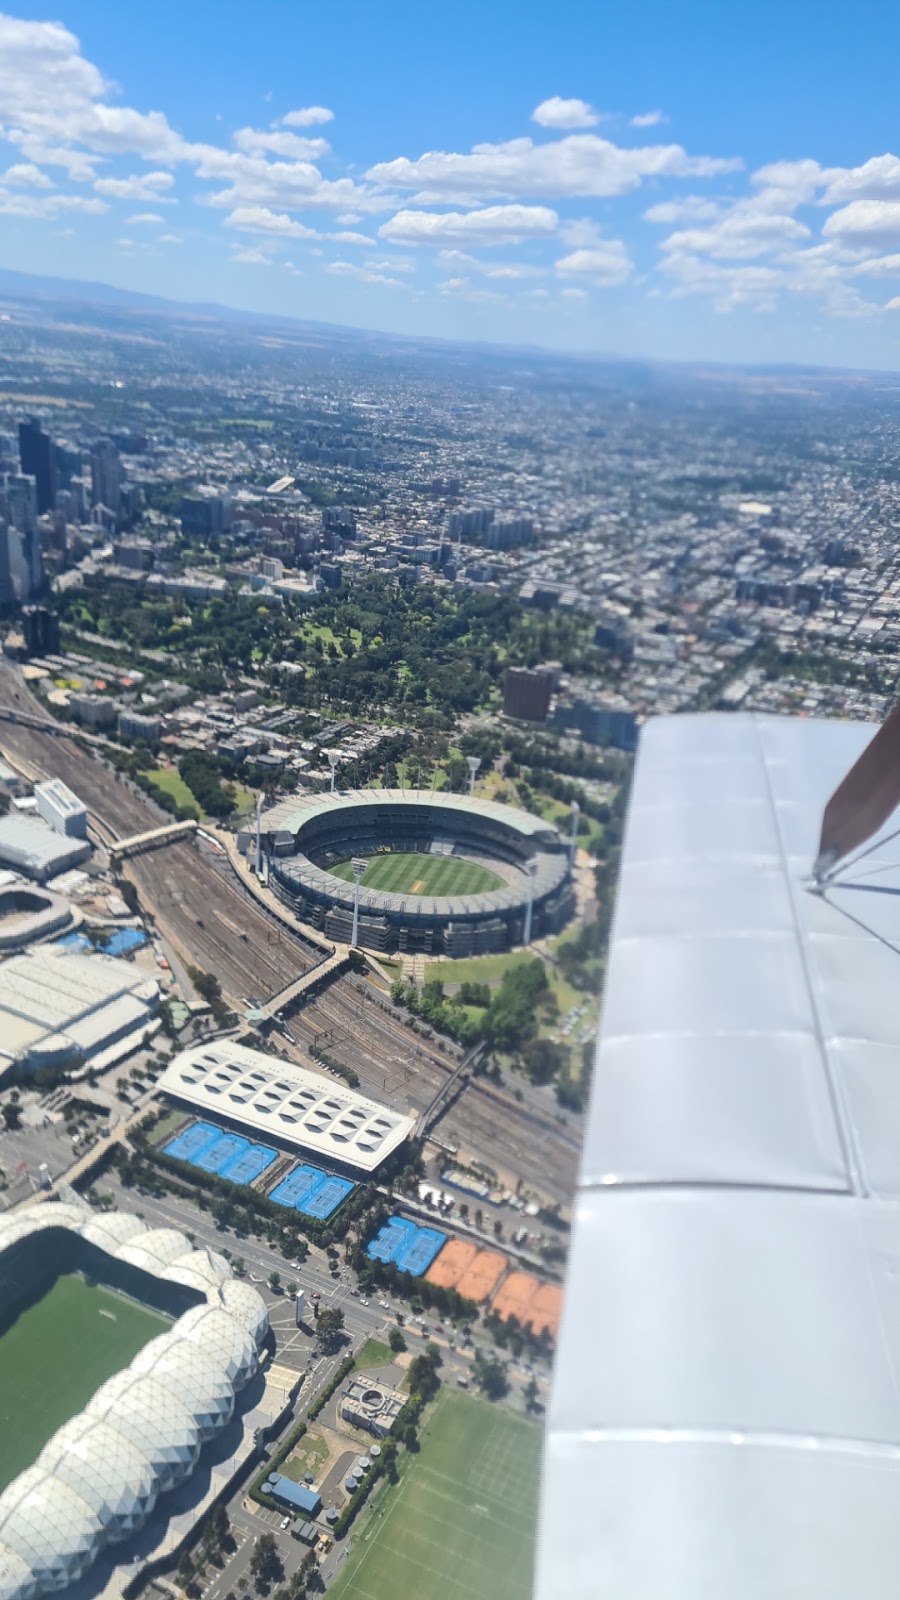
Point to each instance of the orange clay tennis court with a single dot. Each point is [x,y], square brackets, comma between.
[533,1304]
[473,1273]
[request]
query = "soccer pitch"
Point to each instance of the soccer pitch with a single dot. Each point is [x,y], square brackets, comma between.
[398,873]
[56,1355]
[460,1524]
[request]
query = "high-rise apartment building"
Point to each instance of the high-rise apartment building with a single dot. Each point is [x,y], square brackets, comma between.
[37,453]
[106,475]
[526,694]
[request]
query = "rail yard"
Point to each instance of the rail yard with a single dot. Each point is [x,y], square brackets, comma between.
[214,923]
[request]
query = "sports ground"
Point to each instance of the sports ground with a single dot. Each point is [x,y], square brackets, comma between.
[460,1524]
[56,1355]
[398,873]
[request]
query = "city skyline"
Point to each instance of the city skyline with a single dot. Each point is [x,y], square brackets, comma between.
[605,187]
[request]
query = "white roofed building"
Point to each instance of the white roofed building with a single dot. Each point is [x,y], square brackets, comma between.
[67,1010]
[294,1106]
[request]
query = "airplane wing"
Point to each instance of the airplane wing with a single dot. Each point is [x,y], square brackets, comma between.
[725,1415]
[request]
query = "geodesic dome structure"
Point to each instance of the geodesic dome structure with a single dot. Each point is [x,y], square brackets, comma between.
[247,1307]
[145,1412]
[110,1473]
[206,1391]
[141,1434]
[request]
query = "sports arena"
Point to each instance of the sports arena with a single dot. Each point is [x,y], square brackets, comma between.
[444,873]
[124,1352]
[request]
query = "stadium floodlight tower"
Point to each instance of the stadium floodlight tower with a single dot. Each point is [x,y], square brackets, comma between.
[530,868]
[333,757]
[473,763]
[573,837]
[358,866]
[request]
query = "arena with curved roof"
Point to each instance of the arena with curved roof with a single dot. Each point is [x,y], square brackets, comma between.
[96,1480]
[474,866]
[298,1108]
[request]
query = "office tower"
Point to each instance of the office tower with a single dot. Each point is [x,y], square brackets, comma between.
[7,590]
[526,695]
[106,475]
[37,453]
[40,626]
[18,504]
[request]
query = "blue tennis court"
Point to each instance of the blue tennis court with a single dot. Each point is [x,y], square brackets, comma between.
[327,1198]
[226,1155]
[188,1144]
[411,1249]
[418,1253]
[311,1192]
[390,1239]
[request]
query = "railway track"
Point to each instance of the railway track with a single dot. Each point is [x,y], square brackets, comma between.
[200,905]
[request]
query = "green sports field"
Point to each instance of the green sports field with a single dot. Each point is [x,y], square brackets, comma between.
[397,873]
[460,1524]
[56,1355]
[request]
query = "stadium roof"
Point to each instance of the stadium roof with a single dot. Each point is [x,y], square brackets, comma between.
[98,1477]
[725,1416]
[60,1006]
[291,814]
[290,1103]
[30,844]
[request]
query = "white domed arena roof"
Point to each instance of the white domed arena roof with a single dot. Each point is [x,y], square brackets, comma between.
[34,1218]
[154,1250]
[193,1377]
[221,1339]
[199,1269]
[112,1475]
[247,1307]
[50,1526]
[99,1476]
[153,1419]
[112,1229]
[16,1577]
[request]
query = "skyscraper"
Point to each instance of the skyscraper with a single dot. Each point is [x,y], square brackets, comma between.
[106,475]
[37,453]
[18,506]
[7,588]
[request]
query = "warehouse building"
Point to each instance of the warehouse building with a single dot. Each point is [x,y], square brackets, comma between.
[31,846]
[63,1010]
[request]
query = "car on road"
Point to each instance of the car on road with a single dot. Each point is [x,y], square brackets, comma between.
[355,1293]
[284,1523]
[363,1301]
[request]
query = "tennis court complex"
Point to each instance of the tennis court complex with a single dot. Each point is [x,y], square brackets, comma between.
[460,1524]
[56,1355]
[397,873]
[311,1192]
[226,1154]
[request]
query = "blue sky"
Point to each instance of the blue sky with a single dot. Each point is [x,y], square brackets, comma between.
[696,181]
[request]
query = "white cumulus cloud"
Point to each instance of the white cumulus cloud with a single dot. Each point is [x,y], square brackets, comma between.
[490,225]
[649,119]
[259,219]
[604,264]
[140,186]
[307,117]
[559,113]
[871,224]
[581,165]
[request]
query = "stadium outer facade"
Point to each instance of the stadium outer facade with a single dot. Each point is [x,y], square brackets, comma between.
[98,1478]
[305,838]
